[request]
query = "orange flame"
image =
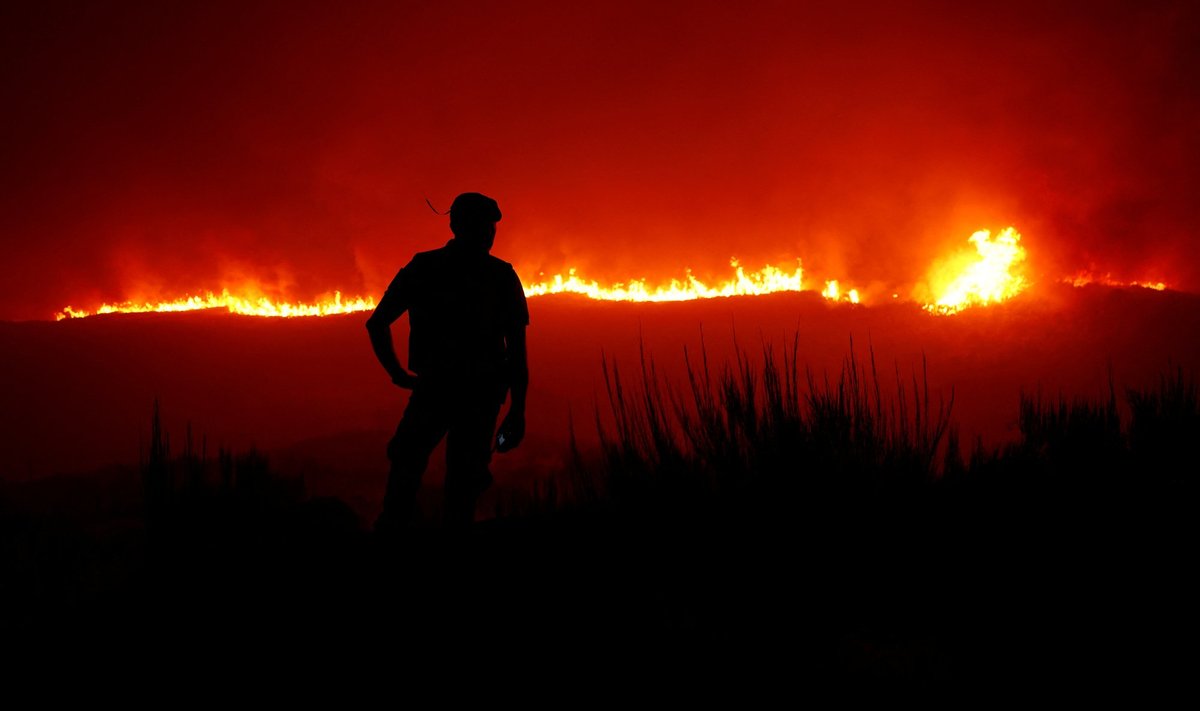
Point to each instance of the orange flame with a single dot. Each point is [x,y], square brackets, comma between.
[1085,278]
[234,304]
[767,280]
[988,275]
[834,293]
[982,278]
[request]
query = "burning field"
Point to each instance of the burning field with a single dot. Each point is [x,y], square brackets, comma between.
[291,375]
[80,390]
[990,274]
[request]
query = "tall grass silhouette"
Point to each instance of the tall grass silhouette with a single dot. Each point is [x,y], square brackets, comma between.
[1069,446]
[765,430]
[763,426]
[191,478]
[1165,427]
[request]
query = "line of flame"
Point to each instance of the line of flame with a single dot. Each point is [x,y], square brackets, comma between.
[990,275]
[768,280]
[1085,278]
[261,306]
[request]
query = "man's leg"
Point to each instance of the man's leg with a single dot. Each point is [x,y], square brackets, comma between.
[468,453]
[420,429]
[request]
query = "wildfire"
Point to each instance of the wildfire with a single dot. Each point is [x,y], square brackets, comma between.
[982,278]
[261,306]
[989,274]
[1085,278]
[834,293]
[767,280]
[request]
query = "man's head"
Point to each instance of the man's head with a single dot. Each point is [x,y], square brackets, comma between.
[473,219]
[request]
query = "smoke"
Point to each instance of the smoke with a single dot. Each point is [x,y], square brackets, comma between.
[155,150]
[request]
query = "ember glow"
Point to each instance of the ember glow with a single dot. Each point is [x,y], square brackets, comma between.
[990,275]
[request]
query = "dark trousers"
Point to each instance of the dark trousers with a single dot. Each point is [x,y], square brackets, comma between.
[466,417]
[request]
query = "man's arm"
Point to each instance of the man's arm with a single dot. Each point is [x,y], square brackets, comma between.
[379,327]
[518,369]
[513,428]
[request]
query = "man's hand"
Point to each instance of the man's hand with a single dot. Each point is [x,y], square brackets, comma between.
[512,431]
[405,379]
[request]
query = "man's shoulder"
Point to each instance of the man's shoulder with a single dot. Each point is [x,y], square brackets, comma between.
[427,256]
[447,258]
[426,262]
[499,264]
[448,252]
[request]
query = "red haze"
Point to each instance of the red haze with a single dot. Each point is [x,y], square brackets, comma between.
[153,150]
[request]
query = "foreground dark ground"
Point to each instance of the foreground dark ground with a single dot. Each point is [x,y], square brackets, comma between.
[940,589]
[773,531]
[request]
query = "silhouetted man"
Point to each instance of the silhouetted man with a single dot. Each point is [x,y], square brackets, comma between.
[466,349]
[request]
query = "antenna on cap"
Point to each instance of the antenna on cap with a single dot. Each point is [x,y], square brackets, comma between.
[435,211]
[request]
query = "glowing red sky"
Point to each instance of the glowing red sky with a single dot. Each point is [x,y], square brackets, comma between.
[156,148]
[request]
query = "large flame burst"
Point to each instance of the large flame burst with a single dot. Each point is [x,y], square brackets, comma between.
[833,292]
[986,277]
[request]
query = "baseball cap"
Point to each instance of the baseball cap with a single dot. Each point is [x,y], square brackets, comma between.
[475,206]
